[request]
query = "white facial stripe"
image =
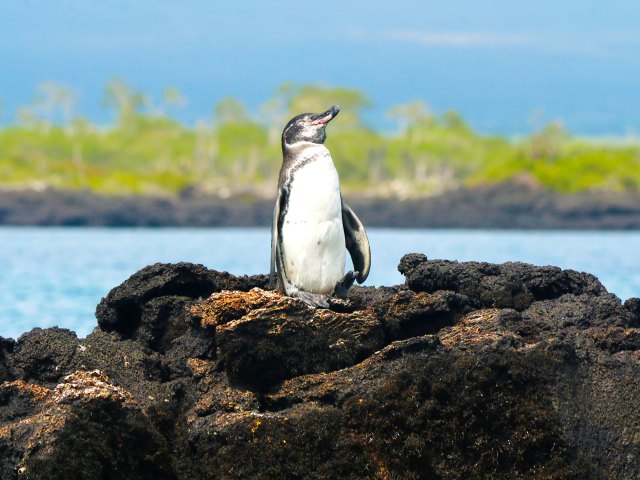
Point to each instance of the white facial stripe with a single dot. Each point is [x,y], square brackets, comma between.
[286,129]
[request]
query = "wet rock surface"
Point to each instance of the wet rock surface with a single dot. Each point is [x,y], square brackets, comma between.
[469,370]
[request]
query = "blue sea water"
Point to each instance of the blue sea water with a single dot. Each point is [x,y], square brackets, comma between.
[56,276]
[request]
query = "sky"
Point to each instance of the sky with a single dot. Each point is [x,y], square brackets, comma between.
[508,67]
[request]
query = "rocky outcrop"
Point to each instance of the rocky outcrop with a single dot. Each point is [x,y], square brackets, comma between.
[143,305]
[469,370]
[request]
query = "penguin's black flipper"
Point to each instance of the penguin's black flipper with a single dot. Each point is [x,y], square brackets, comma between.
[274,240]
[357,242]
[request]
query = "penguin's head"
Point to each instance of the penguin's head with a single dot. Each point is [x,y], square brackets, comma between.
[308,127]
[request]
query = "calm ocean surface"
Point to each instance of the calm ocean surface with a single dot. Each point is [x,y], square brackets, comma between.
[56,276]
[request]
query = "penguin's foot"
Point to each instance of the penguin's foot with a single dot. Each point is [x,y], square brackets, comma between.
[311,299]
[341,289]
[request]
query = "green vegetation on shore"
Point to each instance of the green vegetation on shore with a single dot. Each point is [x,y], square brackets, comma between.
[146,152]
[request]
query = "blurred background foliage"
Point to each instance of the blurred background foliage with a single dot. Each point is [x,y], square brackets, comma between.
[144,151]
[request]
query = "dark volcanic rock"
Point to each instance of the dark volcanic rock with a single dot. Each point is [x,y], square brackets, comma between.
[633,305]
[163,320]
[508,285]
[515,204]
[122,309]
[83,208]
[83,428]
[44,355]
[570,312]
[6,347]
[470,370]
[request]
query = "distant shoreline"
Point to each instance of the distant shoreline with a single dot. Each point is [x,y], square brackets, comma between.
[504,206]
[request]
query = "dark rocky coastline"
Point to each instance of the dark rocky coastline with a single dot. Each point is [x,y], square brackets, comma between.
[509,205]
[469,370]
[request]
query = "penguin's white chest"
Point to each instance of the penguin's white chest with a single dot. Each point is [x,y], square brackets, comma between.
[312,232]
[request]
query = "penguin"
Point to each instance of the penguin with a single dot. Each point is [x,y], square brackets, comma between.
[312,225]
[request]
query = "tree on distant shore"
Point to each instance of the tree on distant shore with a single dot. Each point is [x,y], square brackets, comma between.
[54,103]
[126,102]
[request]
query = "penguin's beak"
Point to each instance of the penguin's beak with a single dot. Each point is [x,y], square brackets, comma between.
[326,117]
